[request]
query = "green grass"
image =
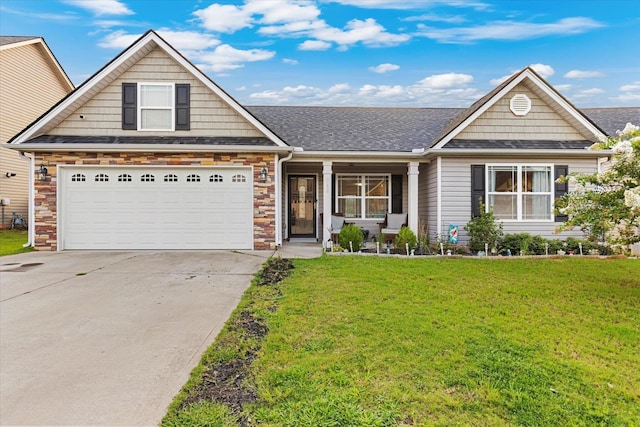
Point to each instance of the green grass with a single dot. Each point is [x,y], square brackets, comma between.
[368,341]
[11,242]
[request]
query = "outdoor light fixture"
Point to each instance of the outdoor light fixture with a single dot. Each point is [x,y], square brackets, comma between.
[10,174]
[263,174]
[43,171]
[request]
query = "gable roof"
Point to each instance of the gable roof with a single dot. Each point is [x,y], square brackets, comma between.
[569,112]
[355,128]
[12,42]
[94,84]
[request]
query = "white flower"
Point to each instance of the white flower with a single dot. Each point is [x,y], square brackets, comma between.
[623,147]
[628,130]
[632,198]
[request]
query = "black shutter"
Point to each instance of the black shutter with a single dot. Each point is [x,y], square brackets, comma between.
[129,106]
[183,106]
[561,188]
[396,193]
[477,189]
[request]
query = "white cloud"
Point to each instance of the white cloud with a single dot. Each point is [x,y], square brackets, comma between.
[102,7]
[225,57]
[630,93]
[367,32]
[635,86]
[289,61]
[314,45]
[445,81]
[224,18]
[563,88]
[544,70]
[579,74]
[496,82]
[436,18]
[508,30]
[439,90]
[585,93]
[283,11]
[409,4]
[185,41]
[384,68]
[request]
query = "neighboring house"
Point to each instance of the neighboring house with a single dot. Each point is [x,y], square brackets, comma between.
[31,81]
[149,153]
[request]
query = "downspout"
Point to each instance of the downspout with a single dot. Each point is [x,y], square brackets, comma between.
[32,214]
[279,163]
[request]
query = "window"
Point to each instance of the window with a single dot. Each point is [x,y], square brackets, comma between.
[363,196]
[520,192]
[125,177]
[171,178]
[101,177]
[238,178]
[193,178]
[147,177]
[78,177]
[156,106]
[215,178]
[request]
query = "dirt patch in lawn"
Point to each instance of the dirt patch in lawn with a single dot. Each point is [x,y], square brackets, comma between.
[229,382]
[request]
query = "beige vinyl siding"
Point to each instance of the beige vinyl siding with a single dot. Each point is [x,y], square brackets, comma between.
[456,194]
[210,116]
[29,86]
[428,198]
[542,123]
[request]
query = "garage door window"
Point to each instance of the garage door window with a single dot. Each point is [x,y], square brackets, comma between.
[193,178]
[125,177]
[171,178]
[215,178]
[78,177]
[238,178]
[101,177]
[147,177]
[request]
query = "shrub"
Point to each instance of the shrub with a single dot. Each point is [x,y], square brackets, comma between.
[484,229]
[351,233]
[404,236]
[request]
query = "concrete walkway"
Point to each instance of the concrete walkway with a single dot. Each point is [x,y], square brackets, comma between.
[109,338]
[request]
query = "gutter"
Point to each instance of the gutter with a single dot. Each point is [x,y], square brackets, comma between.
[144,148]
[279,163]
[453,152]
[32,214]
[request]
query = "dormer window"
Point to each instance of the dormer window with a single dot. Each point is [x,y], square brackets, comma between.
[156,106]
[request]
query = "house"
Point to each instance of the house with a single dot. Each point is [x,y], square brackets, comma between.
[29,71]
[149,153]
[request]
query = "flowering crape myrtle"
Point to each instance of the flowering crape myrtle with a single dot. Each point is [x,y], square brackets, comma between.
[606,205]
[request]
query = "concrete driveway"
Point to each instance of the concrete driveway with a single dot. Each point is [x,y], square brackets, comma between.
[109,338]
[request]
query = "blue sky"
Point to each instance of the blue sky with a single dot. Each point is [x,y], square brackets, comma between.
[405,53]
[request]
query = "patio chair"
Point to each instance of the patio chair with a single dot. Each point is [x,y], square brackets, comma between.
[392,224]
[337,222]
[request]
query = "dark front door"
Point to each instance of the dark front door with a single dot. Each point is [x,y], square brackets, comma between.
[302,206]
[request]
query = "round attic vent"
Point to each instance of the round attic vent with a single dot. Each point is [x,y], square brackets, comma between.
[520,104]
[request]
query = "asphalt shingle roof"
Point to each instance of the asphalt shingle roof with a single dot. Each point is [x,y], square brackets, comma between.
[187,140]
[14,39]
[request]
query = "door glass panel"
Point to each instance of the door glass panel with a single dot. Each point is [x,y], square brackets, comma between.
[302,199]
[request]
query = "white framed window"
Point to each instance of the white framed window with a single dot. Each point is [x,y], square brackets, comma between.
[156,106]
[238,178]
[522,192]
[363,196]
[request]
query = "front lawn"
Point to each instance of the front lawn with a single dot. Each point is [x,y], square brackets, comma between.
[11,242]
[369,341]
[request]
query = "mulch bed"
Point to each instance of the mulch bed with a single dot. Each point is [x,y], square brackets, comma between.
[229,382]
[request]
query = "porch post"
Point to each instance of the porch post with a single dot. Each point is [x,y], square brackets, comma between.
[412,199]
[327,183]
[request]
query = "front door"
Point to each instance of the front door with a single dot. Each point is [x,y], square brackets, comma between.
[302,206]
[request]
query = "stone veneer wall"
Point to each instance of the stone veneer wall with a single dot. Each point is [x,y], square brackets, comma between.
[264,203]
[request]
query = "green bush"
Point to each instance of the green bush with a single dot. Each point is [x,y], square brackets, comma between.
[528,244]
[351,233]
[484,229]
[404,236]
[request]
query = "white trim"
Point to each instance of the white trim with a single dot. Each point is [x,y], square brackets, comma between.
[171,108]
[526,73]
[554,153]
[519,194]
[363,198]
[127,54]
[439,197]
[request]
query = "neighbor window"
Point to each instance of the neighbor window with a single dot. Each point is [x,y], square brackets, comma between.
[520,192]
[363,196]
[156,106]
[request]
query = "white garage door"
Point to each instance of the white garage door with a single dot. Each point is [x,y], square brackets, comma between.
[157,208]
